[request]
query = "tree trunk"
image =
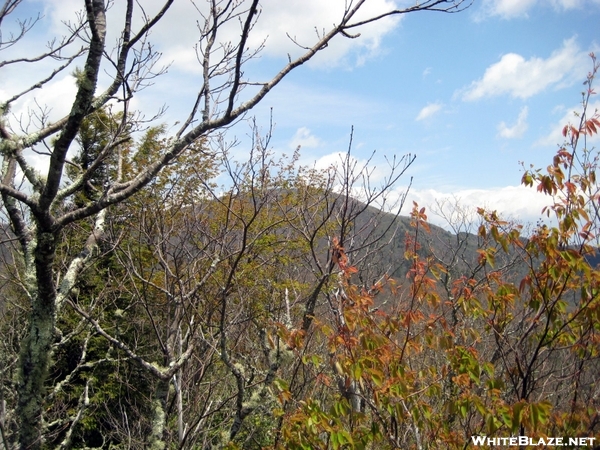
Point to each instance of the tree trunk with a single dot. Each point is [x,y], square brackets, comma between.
[159,408]
[36,348]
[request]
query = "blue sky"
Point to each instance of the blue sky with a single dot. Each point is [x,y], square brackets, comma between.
[471,94]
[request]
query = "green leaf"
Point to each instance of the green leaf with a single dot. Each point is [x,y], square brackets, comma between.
[377,377]
[517,415]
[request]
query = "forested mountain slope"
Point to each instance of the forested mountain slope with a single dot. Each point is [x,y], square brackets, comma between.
[259,291]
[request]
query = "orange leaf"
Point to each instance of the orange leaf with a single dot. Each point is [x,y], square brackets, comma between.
[524,283]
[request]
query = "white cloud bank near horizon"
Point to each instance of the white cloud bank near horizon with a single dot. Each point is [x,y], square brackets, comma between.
[518,203]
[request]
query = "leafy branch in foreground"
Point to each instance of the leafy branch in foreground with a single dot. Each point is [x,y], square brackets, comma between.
[42,207]
[511,347]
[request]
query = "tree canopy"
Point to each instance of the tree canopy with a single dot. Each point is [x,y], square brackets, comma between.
[159,293]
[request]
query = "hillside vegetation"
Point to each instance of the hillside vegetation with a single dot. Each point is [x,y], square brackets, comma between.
[158,293]
[277,311]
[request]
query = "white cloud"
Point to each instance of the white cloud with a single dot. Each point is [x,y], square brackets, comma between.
[519,77]
[363,172]
[301,19]
[53,101]
[429,110]
[278,26]
[337,161]
[278,23]
[508,8]
[305,139]
[518,129]
[177,33]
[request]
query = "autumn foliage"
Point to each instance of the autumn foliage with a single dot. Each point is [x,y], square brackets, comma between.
[261,313]
[510,348]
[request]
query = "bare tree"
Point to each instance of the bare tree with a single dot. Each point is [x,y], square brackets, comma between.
[35,206]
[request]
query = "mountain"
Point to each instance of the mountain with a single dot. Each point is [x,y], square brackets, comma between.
[457,253]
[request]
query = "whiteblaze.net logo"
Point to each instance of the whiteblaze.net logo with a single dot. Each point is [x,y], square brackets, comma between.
[533,442]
